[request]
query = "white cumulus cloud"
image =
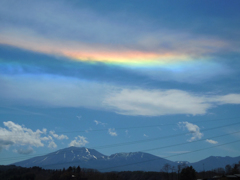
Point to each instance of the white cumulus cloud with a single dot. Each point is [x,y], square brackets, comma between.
[79,141]
[112,132]
[60,137]
[15,134]
[52,144]
[193,129]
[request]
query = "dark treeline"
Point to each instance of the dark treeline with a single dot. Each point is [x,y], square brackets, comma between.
[168,172]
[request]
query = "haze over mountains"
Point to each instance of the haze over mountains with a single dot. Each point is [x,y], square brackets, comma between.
[133,161]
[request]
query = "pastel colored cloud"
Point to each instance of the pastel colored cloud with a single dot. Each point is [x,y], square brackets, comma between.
[84,35]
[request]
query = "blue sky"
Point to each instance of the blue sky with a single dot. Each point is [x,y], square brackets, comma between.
[119,76]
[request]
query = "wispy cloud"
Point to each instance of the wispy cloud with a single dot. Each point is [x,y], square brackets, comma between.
[99,122]
[79,117]
[178,152]
[57,91]
[156,102]
[163,102]
[211,141]
[88,130]
[193,129]
[145,135]
[112,132]
[28,150]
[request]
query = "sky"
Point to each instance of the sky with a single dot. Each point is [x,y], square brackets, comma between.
[161,77]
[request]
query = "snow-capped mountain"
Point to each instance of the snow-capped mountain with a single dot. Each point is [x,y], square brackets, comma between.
[133,161]
[63,156]
[90,158]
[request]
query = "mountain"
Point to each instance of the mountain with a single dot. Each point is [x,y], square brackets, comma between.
[90,158]
[133,161]
[213,162]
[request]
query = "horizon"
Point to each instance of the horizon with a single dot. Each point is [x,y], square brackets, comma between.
[121,153]
[88,158]
[159,77]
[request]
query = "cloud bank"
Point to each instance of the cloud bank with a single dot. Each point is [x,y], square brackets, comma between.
[57,91]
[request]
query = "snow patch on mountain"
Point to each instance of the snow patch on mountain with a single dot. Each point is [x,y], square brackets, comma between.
[44,159]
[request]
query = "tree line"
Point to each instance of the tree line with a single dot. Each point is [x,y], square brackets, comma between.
[168,172]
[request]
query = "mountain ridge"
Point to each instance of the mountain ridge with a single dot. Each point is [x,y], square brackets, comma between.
[131,161]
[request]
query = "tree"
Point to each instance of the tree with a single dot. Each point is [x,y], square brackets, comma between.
[235,169]
[166,169]
[219,171]
[188,173]
[70,169]
[180,167]
[228,169]
[173,170]
[78,169]
[74,169]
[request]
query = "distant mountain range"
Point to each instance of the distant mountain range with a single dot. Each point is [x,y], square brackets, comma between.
[133,161]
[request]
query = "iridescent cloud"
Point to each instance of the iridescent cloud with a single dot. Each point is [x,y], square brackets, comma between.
[83,35]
